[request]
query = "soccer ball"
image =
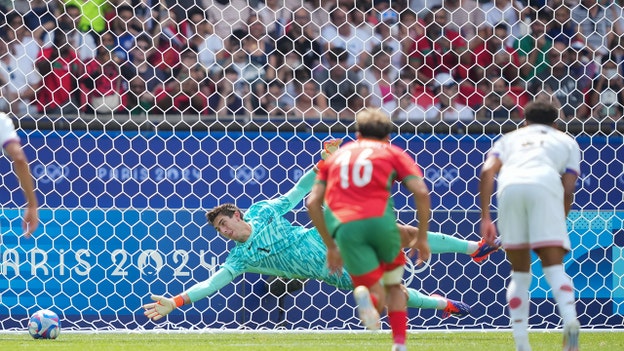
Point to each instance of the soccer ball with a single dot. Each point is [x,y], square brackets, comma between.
[44,324]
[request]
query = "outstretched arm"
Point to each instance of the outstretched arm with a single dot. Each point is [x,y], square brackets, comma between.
[294,196]
[165,305]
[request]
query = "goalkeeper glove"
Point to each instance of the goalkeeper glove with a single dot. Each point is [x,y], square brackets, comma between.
[329,147]
[162,307]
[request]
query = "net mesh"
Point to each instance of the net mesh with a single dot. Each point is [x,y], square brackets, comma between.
[137,116]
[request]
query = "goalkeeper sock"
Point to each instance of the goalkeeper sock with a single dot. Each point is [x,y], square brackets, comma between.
[398,324]
[442,243]
[563,290]
[518,300]
[417,299]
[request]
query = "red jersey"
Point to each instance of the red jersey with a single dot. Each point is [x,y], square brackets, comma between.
[359,178]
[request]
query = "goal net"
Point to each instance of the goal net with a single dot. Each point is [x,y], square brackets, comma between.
[236,108]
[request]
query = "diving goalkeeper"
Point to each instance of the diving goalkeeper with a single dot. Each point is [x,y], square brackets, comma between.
[267,243]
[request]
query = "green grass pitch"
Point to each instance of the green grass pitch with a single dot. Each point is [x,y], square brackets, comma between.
[285,341]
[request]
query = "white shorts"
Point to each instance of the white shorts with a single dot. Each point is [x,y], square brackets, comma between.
[531,217]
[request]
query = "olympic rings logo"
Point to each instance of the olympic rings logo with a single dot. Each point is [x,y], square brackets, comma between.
[442,177]
[248,175]
[52,173]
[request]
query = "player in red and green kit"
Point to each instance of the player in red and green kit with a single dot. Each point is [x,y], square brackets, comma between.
[358,225]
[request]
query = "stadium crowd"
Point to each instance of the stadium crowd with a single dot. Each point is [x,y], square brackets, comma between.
[432,60]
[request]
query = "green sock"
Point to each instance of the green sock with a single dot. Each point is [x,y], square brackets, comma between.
[442,243]
[419,300]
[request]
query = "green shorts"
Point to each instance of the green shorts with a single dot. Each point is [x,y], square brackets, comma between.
[365,243]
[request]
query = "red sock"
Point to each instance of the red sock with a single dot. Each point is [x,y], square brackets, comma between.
[398,324]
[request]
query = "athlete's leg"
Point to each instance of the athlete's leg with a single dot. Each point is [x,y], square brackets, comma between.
[563,291]
[443,243]
[518,296]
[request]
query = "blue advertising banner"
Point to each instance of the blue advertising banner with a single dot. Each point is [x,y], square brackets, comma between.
[123,217]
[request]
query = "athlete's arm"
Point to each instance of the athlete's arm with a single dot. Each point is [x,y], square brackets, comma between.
[165,305]
[568,180]
[31,218]
[293,197]
[490,168]
[315,211]
[423,210]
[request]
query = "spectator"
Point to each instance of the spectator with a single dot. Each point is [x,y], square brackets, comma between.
[310,102]
[606,98]
[17,66]
[567,83]
[127,28]
[227,16]
[496,58]
[93,14]
[187,92]
[224,100]
[140,64]
[358,17]
[259,48]
[82,42]
[385,32]
[139,99]
[339,32]
[379,76]
[505,11]
[533,47]
[594,25]
[451,105]
[40,21]
[358,102]
[410,27]
[60,68]
[562,28]
[298,47]
[415,102]
[275,16]
[439,50]
[337,81]
[465,17]
[208,45]
[103,84]
[171,42]
[503,103]
[272,103]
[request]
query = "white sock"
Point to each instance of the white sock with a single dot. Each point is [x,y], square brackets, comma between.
[518,304]
[563,290]
[472,247]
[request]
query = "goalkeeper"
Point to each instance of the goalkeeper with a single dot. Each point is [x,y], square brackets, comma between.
[267,243]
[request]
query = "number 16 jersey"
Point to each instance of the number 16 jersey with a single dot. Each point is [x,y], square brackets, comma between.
[359,178]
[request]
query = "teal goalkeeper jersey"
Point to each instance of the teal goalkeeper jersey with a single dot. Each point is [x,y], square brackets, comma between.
[276,246]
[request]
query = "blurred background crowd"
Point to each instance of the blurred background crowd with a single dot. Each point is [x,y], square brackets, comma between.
[418,60]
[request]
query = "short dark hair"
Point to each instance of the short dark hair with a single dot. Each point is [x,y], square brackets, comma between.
[540,112]
[225,209]
[373,123]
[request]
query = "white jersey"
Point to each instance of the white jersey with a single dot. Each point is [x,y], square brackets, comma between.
[536,154]
[7,130]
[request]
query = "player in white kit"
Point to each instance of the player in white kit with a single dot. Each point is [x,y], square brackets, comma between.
[537,167]
[12,146]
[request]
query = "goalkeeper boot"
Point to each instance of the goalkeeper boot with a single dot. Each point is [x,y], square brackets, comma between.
[484,250]
[454,308]
[571,336]
[366,311]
